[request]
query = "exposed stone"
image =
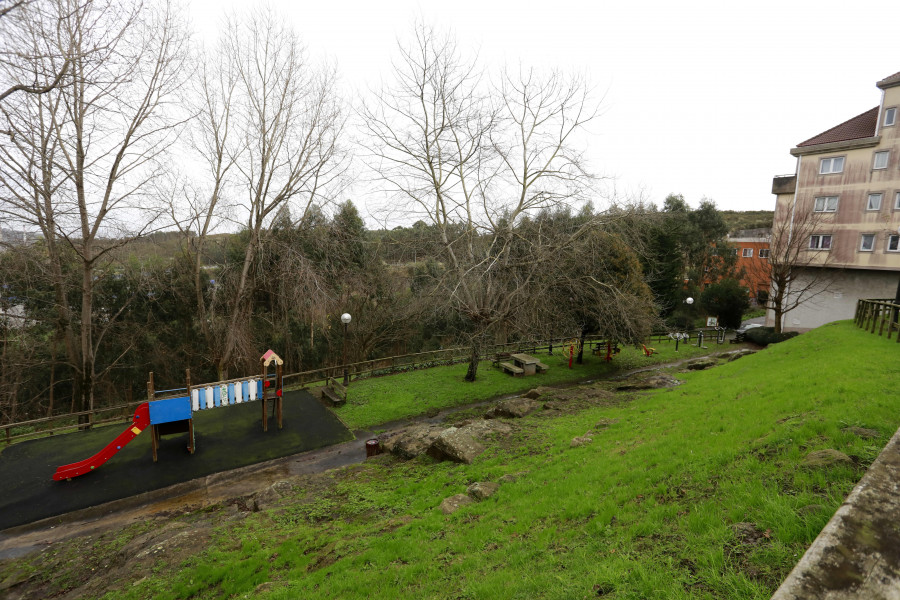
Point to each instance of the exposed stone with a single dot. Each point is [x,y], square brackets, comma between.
[454,503]
[700,364]
[580,441]
[649,383]
[483,429]
[736,354]
[266,586]
[513,408]
[482,489]
[604,423]
[166,545]
[456,445]
[271,494]
[510,477]
[826,458]
[411,442]
[533,394]
[863,432]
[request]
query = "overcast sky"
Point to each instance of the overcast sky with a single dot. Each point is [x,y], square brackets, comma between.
[699,98]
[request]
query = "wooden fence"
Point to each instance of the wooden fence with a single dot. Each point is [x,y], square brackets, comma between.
[878,314]
[359,370]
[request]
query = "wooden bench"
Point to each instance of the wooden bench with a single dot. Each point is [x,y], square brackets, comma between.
[332,397]
[512,369]
[501,356]
[541,367]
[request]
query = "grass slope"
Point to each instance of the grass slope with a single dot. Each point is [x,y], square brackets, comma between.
[645,511]
[371,402]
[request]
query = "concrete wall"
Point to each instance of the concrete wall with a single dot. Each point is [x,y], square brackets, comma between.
[838,300]
[856,557]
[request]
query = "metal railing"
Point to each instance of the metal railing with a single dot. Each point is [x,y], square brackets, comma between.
[878,314]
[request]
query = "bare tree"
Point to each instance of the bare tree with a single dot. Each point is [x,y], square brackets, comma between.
[81,156]
[474,162]
[29,67]
[270,126]
[797,262]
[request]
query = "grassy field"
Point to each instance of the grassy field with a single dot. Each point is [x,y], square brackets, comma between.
[371,402]
[650,509]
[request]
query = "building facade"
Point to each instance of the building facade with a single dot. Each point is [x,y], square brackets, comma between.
[751,246]
[843,205]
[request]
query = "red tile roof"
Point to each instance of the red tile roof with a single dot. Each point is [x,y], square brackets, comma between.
[889,81]
[860,126]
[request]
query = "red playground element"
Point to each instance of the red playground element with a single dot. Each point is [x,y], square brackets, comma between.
[141,421]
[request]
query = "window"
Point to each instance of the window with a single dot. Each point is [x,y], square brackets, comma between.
[881,160]
[890,116]
[867,242]
[747,253]
[764,253]
[734,251]
[874,202]
[820,242]
[897,201]
[831,165]
[893,244]
[826,204]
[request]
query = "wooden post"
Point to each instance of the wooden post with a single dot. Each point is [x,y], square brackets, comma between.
[279,389]
[265,395]
[150,389]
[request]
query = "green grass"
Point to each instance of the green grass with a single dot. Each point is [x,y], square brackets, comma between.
[371,402]
[645,511]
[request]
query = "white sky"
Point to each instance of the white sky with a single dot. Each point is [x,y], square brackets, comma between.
[700,98]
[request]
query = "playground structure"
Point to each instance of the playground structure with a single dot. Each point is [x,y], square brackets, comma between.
[174,414]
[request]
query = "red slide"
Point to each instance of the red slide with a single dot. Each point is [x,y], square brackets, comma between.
[140,422]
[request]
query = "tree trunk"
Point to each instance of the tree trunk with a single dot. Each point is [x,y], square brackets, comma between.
[778,317]
[86,396]
[580,358]
[473,363]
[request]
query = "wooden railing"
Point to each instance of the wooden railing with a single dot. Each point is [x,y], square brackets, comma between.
[359,370]
[878,314]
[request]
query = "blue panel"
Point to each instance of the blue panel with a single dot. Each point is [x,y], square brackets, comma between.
[230,393]
[245,390]
[201,392]
[172,409]
[217,396]
[259,389]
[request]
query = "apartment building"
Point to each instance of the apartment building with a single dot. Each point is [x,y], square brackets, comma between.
[843,205]
[751,246]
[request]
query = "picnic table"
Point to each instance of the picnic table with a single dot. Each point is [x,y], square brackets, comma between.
[528,364]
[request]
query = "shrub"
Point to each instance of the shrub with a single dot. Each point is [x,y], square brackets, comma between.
[764,336]
[726,299]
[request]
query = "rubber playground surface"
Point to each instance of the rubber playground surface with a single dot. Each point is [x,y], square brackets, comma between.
[226,438]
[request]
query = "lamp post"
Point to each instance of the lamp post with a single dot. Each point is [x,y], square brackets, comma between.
[687,301]
[345,319]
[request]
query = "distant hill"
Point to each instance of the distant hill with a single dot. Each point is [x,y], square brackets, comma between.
[748,219]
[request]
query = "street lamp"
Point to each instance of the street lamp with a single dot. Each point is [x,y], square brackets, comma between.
[687,301]
[345,319]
